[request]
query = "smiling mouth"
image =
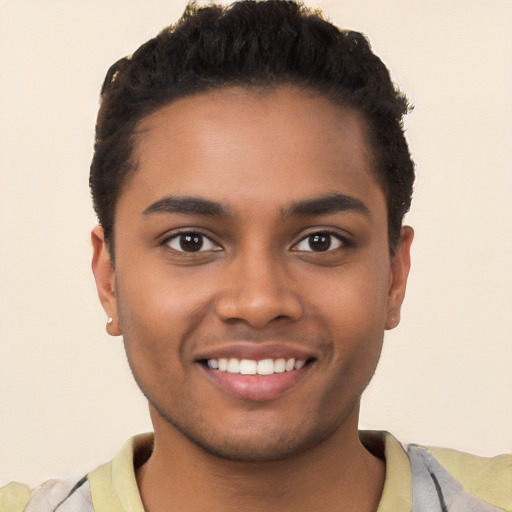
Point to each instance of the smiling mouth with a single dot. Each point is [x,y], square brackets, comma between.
[259,379]
[262,367]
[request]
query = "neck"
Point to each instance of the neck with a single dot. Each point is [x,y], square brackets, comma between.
[337,474]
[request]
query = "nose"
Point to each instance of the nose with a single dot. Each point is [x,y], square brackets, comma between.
[259,291]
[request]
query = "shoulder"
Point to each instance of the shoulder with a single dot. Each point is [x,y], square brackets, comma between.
[113,486]
[15,496]
[487,477]
[461,476]
[51,496]
[473,467]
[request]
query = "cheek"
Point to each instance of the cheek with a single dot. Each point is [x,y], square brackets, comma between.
[353,309]
[157,294]
[160,312]
[351,292]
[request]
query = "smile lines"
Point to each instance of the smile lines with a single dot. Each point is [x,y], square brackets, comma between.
[253,367]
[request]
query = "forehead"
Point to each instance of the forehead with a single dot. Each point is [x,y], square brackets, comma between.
[259,145]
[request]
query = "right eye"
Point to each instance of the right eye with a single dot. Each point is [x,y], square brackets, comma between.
[191,242]
[322,241]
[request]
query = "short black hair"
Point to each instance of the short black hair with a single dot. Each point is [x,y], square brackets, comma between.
[250,43]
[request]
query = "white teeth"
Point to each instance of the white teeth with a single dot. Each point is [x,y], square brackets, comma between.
[279,365]
[213,363]
[253,367]
[266,367]
[248,367]
[233,365]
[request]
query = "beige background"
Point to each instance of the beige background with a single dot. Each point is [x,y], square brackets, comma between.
[67,401]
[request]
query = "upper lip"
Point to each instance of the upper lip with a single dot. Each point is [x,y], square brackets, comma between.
[254,351]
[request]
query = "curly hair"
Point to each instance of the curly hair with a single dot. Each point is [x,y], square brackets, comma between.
[250,43]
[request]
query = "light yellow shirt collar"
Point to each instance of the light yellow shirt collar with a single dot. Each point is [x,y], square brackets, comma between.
[114,486]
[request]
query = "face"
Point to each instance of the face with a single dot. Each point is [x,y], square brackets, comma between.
[252,281]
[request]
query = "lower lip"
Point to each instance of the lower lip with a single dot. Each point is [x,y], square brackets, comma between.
[254,387]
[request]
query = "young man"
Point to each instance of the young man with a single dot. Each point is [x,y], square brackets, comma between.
[250,178]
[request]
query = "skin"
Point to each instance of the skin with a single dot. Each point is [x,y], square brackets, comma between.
[260,281]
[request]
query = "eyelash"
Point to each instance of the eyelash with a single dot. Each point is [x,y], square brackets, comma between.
[176,237]
[343,241]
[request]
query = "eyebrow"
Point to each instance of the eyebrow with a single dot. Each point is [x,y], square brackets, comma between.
[187,205]
[325,205]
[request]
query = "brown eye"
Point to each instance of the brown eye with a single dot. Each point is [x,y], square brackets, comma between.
[319,242]
[192,242]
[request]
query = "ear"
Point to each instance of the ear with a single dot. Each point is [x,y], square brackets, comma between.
[400,265]
[104,275]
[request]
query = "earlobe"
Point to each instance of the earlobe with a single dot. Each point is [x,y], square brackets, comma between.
[104,275]
[400,266]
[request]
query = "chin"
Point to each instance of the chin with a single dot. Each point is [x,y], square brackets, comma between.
[260,448]
[244,443]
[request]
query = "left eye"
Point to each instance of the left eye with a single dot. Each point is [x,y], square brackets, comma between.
[319,242]
[192,242]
